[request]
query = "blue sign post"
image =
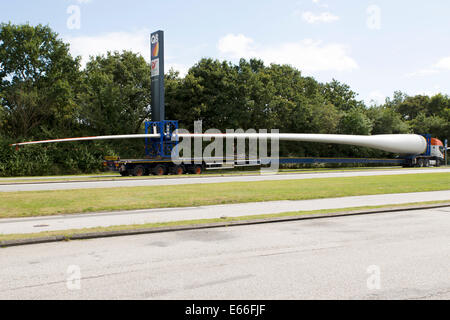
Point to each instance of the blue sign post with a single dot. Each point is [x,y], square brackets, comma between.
[446,151]
[159,147]
[157,64]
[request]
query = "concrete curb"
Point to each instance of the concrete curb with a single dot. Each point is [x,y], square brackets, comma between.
[108,234]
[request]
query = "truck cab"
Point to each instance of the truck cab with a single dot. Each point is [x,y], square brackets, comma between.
[437,149]
[434,155]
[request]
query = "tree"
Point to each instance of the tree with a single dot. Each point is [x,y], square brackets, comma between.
[436,126]
[325,119]
[438,104]
[386,121]
[116,94]
[38,81]
[355,122]
[411,107]
[184,99]
[341,96]
[398,98]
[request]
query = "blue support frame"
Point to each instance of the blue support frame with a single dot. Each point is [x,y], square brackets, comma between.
[160,147]
[428,138]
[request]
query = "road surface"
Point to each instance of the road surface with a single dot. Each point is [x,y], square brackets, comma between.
[403,255]
[42,186]
[79,221]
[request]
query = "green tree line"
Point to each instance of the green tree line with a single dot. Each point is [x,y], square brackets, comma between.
[45,93]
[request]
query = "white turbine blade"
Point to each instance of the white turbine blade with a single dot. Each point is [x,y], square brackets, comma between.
[409,144]
[115,137]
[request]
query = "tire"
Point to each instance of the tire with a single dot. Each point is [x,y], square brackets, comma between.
[125,173]
[198,169]
[420,163]
[138,171]
[159,170]
[178,170]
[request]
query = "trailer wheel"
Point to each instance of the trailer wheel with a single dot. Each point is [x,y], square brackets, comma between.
[159,170]
[197,169]
[420,163]
[125,173]
[178,170]
[139,171]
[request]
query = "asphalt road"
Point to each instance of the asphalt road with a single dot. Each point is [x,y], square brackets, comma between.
[42,186]
[105,219]
[402,255]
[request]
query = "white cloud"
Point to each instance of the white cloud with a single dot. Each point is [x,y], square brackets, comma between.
[444,63]
[136,41]
[423,72]
[325,17]
[83,1]
[317,2]
[313,18]
[85,46]
[306,55]
[375,97]
[181,68]
[440,66]
[429,92]
[236,46]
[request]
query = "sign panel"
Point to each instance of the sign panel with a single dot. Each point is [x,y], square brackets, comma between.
[155,68]
[155,46]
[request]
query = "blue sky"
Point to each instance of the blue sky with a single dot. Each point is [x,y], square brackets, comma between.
[376,46]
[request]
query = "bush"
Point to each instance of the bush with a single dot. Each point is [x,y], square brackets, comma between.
[52,159]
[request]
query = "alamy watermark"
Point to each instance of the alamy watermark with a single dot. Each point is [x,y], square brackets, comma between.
[234,147]
[374,280]
[74,19]
[73,281]
[74,11]
[374,17]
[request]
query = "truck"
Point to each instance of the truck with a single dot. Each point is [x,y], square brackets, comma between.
[413,150]
[158,154]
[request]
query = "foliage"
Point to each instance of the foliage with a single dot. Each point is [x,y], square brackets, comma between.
[44,93]
[38,81]
[423,114]
[116,94]
[52,159]
[386,121]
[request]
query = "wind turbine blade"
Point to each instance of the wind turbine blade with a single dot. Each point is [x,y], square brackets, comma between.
[115,137]
[407,144]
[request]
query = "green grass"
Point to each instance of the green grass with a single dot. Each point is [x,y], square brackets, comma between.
[44,203]
[68,234]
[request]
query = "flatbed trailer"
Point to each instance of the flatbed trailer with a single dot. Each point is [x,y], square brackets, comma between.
[165,166]
[314,160]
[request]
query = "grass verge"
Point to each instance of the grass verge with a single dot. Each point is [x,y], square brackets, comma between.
[68,234]
[45,203]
